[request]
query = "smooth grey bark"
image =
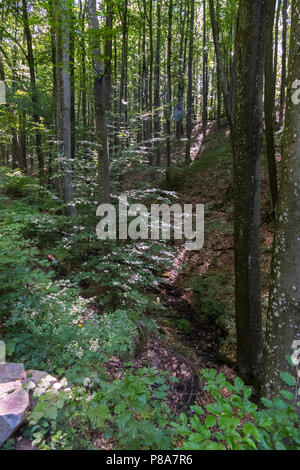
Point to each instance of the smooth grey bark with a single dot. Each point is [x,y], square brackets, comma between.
[99,102]
[64,103]
[169,91]
[246,135]
[220,65]
[283,323]
[269,104]
[283,60]
[157,84]
[278,8]
[34,92]
[189,98]
[204,73]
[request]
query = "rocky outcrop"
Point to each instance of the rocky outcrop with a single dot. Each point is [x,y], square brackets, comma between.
[19,394]
[14,400]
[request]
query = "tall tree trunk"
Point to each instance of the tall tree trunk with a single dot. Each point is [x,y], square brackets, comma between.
[108,53]
[204,73]
[72,77]
[157,83]
[283,330]
[99,100]
[220,65]
[64,103]
[181,68]
[247,143]
[123,79]
[269,103]
[283,59]
[278,8]
[190,86]
[35,98]
[169,91]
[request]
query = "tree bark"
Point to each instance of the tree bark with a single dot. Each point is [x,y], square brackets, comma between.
[189,98]
[220,65]
[157,84]
[169,91]
[284,301]
[247,134]
[269,104]
[99,100]
[283,59]
[64,103]
[35,98]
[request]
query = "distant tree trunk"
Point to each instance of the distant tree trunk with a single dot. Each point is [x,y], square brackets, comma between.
[83,81]
[169,91]
[53,57]
[23,142]
[99,100]
[269,103]
[35,98]
[189,99]
[64,103]
[108,53]
[181,68]
[283,59]
[247,143]
[157,83]
[276,51]
[220,65]
[284,301]
[204,73]
[123,79]
[72,77]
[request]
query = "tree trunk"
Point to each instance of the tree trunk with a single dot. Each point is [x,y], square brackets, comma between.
[156,84]
[283,59]
[35,98]
[169,92]
[99,100]
[204,74]
[189,98]
[220,65]
[269,103]
[64,103]
[247,143]
[284,303]
[108,53]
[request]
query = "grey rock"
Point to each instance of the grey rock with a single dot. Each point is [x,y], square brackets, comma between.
[36,384]
[9,372]
[14,405]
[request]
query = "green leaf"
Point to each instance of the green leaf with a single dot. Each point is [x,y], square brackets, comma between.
[287,395]
[228,422]
[288,378]
[280,446]
[250,430]
[210,421]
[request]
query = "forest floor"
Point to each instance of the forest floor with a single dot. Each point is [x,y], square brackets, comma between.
[196,319]
[198,327]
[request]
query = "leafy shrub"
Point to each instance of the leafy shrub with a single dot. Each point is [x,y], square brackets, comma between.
[55,328]
[234,422]
[209,297]
[130,410]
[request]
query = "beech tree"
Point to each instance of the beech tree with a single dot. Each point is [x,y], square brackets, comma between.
[63,96]
[247,134]
[99,100]
[284,305]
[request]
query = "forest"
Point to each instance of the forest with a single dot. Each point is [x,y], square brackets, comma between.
[149,225]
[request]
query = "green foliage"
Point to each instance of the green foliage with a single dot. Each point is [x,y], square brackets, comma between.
[233,422]
[131,410]
[183,324]
[210,292]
